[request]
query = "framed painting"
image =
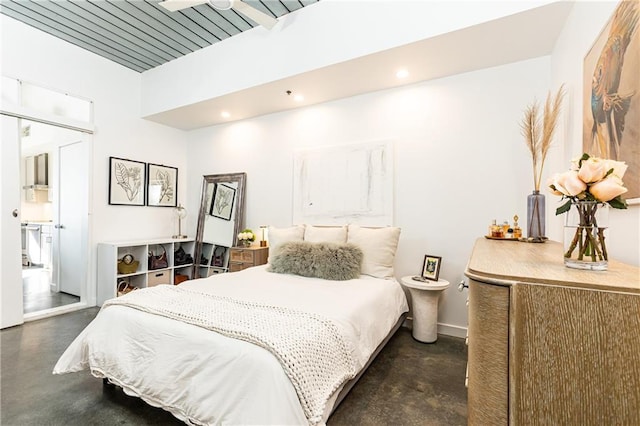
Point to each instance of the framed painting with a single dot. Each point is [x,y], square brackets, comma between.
[611,86]
[162,185]
[431,267]
[126,182]
[222,204]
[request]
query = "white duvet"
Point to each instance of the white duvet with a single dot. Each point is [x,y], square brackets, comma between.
[202,377]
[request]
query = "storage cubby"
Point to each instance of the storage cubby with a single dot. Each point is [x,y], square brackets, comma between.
[207,254]
[215,259]
[110,253]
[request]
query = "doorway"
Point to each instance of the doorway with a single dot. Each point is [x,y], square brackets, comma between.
[54,200]
[36,122]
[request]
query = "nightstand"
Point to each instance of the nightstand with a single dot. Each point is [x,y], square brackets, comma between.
[424,305]
[245,257]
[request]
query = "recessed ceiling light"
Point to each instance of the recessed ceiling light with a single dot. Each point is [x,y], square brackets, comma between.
[221,4]
[403,73]
[298,98]
[225,114]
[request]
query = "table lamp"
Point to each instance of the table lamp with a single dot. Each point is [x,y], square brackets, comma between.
[180,213]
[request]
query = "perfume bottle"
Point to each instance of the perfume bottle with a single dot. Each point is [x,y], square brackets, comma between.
[517,232]
[495,230]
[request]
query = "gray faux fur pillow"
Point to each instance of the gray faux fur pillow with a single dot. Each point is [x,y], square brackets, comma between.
[329,261]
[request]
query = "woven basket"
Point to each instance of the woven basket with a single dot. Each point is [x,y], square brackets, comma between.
[127,268]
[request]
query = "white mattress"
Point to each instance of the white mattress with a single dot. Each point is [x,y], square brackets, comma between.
[205,378]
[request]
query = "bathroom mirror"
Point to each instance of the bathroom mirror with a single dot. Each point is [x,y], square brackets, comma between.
[220,219]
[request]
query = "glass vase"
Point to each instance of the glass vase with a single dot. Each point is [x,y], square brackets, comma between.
[585,234]
[536,217]
[245,243]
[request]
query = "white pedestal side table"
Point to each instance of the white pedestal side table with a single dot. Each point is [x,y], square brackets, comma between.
[424,303]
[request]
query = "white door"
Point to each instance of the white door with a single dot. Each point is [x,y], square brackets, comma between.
[72,218]
[10,239]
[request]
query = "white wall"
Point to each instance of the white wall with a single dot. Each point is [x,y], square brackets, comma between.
[583,26]
[47,61]
[459,161]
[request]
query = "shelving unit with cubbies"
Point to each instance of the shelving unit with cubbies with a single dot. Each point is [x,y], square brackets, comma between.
[110,253]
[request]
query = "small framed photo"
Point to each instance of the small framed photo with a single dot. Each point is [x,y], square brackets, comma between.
[126,182]
[431,267]
[223,198]
[162,186]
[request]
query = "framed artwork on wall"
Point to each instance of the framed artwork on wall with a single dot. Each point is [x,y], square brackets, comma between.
[431,267]
[222,205]
[126,182]
[611,102]
[162,185]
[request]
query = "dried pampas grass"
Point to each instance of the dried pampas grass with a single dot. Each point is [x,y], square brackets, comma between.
[539,135]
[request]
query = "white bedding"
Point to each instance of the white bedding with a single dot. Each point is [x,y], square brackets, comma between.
[205,378]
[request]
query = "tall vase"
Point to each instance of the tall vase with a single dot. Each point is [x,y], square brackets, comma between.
[536,217]
[585,234]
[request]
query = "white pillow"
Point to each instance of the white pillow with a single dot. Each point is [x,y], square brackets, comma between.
[321,234]
[278,236]
[378,247]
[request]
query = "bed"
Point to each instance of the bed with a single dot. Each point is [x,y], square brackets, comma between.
[242,363]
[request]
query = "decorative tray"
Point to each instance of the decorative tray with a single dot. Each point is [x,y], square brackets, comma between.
[489,237]
[524,240]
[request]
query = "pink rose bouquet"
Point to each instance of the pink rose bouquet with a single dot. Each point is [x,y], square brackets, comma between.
[588,185]
[591,179]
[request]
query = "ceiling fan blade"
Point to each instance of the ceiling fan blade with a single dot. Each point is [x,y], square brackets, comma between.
[174,5]
[254,14]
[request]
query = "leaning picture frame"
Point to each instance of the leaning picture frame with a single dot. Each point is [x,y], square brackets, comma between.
[162,185]
[222,204]
[126,182]
[431,267]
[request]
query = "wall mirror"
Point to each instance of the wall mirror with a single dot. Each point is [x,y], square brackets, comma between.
[220,219]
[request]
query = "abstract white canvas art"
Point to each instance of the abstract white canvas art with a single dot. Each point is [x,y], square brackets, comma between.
[344,184]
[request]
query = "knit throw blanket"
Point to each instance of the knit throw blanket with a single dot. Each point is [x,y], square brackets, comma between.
[313,353]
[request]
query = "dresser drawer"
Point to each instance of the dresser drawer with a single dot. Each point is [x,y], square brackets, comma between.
[488,354]
[235,267]
[241,255]
[242,258]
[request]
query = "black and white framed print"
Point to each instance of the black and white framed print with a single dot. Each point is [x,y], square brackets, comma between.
[223,198]
[126,182]
[431,267]
[162,185]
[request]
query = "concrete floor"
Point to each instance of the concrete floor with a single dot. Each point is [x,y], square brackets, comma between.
[410,383]
[37,294]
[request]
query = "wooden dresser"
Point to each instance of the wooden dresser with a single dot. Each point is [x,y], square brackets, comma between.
[242,258]
[549,345]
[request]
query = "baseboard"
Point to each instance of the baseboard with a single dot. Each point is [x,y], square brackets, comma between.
[452,330]
[444,329]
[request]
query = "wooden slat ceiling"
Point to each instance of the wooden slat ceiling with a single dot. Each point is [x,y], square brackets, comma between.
[139,34]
